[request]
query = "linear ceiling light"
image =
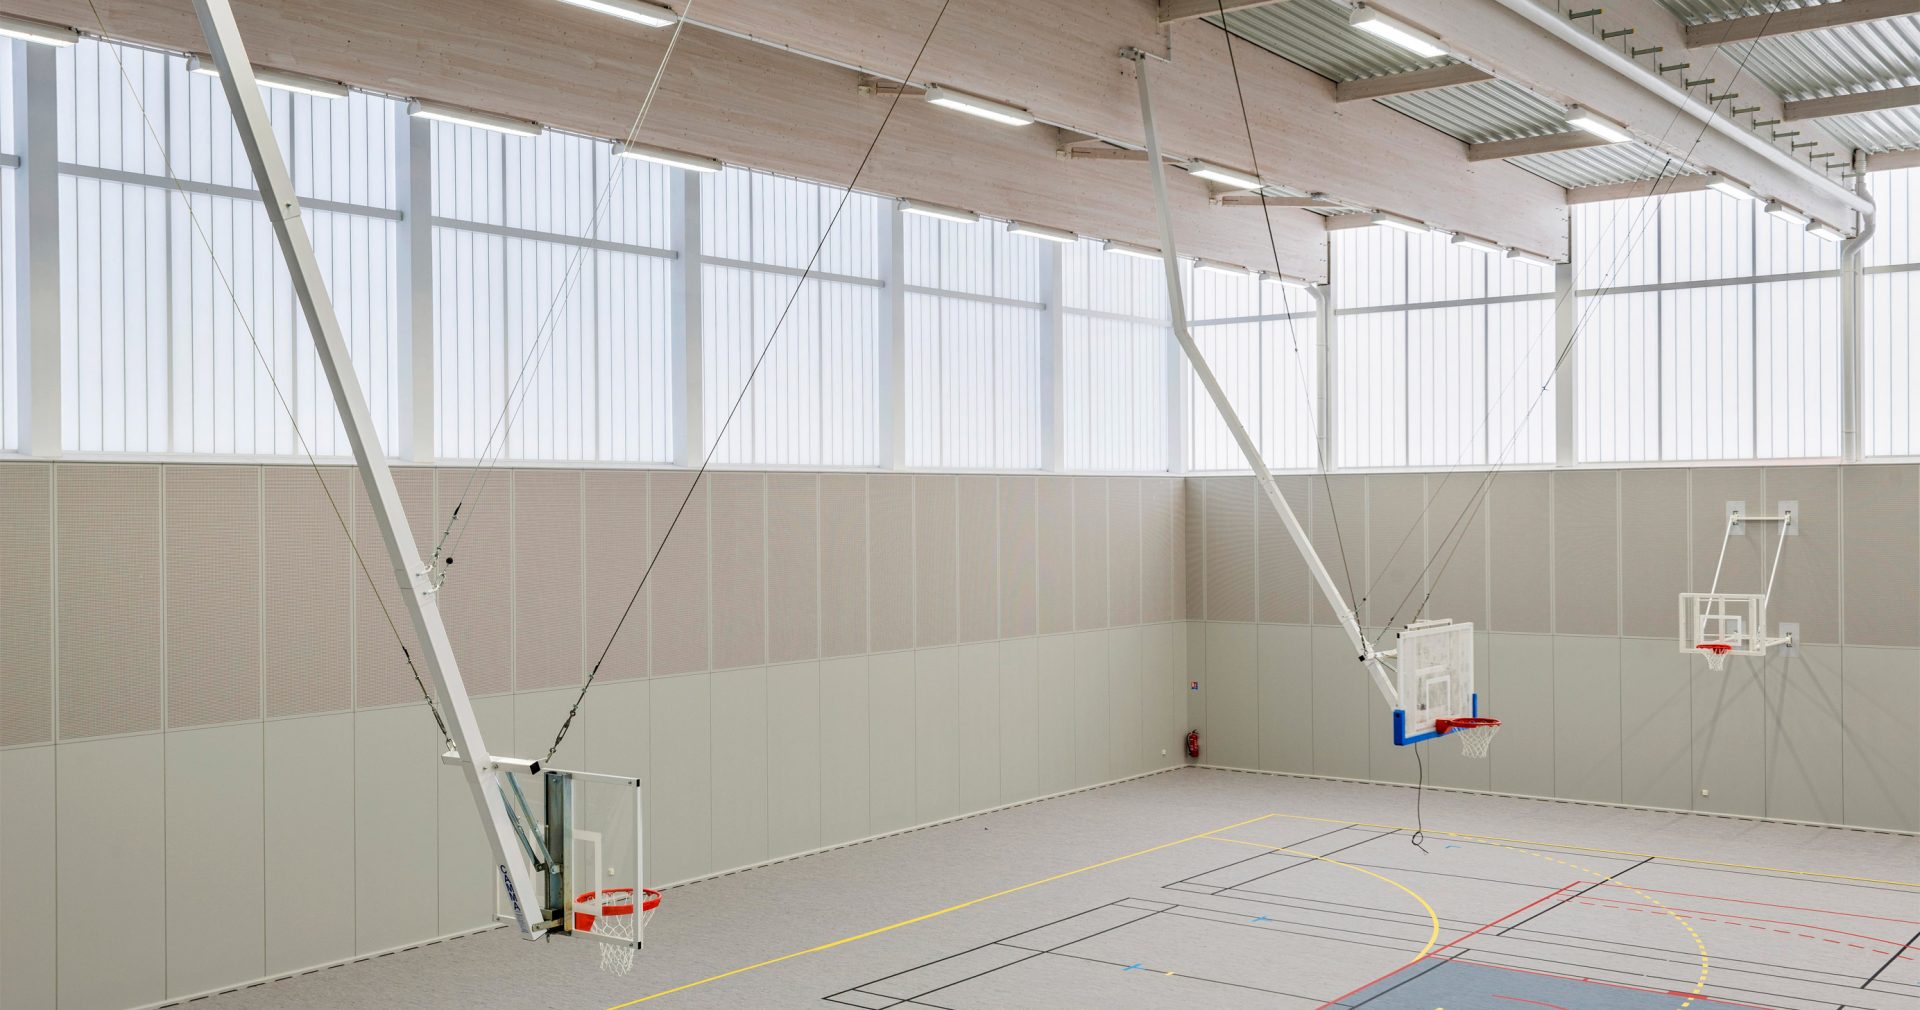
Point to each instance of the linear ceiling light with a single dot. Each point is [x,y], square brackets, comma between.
[935,210]
[974,105]
[1394,221]
[1126,249]
[651,15]
[35,31]
[1297,283]
[666,156]
[1524,256]
[281,80]
[1721,184]
[1382,27]
[472,117]
[1223,176]
[1473,242]
[1217,267]
[1821,229]
[1785,213]
[1582,119]
[1042,232]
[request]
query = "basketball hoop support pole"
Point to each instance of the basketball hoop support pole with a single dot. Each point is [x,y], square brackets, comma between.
[229,53]
[1176,304]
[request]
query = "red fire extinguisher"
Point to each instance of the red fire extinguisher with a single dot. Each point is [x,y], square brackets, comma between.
[1193,744]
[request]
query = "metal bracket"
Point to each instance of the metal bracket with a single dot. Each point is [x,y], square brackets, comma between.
[1790,631]
[1790,509]
[1736,518]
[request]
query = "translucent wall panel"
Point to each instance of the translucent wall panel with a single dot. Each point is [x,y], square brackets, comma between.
[553,299]
[1614,244]
[1093,280]
[1896,198]
[1889,359]
[1264,358]
[1446,385]
[771,220]
[1522,356]
[976,329]
[1114,358]
[1618,364]
[1797,368]
[1706,370]
[9,266]
[1370,369]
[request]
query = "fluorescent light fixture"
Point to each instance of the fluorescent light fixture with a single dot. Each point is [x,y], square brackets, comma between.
[935,210]
[472,117]
[278,79]
[1223,176]
[1386,29]
[36,31]
[1473,242]
[974,105]
[1217,267]
[1785,213]
[1581,119]
[665,156]
[1821,229]
[651,15]
[1126,249]
[1721,184]
[1394,221]
[1527,257]
[1296,283]
[1042,232]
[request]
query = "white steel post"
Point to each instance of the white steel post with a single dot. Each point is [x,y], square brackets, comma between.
[414,141]
[689,349]
[1566,375]
[283,211]
[37,197]
[1170,257]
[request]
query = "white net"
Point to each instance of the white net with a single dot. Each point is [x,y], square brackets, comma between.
[1474,740]
[1716,657]
[616,920]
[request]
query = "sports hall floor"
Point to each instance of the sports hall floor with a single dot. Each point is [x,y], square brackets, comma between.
[1200,888]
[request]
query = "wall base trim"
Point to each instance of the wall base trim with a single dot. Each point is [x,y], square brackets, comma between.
[174,1001]
[1566,802]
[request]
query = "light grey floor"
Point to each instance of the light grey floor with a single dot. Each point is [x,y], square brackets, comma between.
[1527,913]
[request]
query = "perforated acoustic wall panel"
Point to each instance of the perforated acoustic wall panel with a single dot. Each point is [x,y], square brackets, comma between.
[26,636]
[1397,567]
[739,516]
[1882,577]
[793,567]
[1586,549]
[680,590]
[618,549]
[1123,550]
[935,567]
[1231,553]
[843,564]
[1521,514]
[111,664]
[1653,559]
[1019,556]
[1090,588]
[477,597]
[1055,608]
[381,676]
[1158,562]
[307,649]
[1283,574]
[547,578]
[977,575]
[1457,537]
[213,593]
[890,562]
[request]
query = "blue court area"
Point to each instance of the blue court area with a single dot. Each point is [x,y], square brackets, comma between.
[1444,983]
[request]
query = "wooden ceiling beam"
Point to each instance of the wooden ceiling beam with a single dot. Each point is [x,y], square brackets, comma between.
[1793,22]
[1552,143]
[1847,105]
[1450,76]
[1186,10]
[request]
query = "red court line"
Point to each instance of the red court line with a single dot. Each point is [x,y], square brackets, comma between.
[1765,904]
[1696,913]
[1694,997]
[1540,900]
[1535,1002]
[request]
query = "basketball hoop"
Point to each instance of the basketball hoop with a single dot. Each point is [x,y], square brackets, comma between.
[1716,653]
[611,911]
[1476,735]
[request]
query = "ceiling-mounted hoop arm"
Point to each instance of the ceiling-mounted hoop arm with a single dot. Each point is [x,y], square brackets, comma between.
[482,771]
[1735,518]
[1374,661]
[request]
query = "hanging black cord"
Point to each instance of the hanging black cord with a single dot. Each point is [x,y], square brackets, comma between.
[1419,837]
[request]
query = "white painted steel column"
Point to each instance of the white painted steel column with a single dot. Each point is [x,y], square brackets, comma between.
[37,219]
[893,340]
[1852,290]
[1170,257]
[1053,444]
[1566,376]
[1323,320]
[416,588]
[689,362]
[414,169]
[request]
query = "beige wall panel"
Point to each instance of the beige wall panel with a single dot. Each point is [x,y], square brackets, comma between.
[1123,549]
[381,676]
[477,598]
[844,741]
[1091,591]
[793,567]
[1056,548]
[26,577]
[1656,723]
[1158,561]
[1339,533]
[1882,516]
[738,512]
[1880,755]
[1232,556]
[740,780]
[547,579]
[619,548]
[28,890]
[1653,551]
[1586,565]
[1805,736]
[216,902]
[110,643]
[110,819]
[1519,522]
[978,572]
[1397,549]
[1193,537]
[1808,588]
[307,648]
[213,594]
[1176,491]
[1457,532]
[1019,557]
[1283,580]
[890,562]
[680,577]
[843,565]
[935,570]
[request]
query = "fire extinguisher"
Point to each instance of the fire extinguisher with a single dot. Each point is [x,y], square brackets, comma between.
[1193,744]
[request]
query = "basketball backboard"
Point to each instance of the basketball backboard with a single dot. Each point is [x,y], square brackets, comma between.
[1435,679]
[584,835]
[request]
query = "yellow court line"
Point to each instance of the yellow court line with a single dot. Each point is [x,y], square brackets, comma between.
[1611,852]
[931,915]
[1432,938]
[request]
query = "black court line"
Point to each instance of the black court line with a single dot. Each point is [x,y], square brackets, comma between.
[1196,978]
[1314,858]
[1258,855]
[962,953]
[1890,960]
[1437,962]
[1550,906]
